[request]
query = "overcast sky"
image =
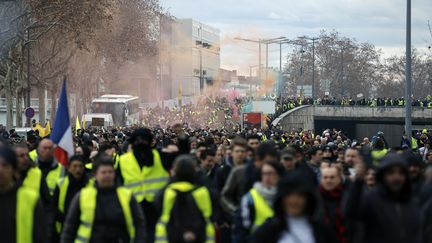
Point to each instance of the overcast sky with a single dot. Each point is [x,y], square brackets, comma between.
[380,22]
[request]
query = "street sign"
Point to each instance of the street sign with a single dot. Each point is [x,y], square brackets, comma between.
[29,112]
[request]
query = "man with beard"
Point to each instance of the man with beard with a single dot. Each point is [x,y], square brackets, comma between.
[387,212]
[145,171]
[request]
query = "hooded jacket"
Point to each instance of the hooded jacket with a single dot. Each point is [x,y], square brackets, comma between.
[385,217]
[274,228]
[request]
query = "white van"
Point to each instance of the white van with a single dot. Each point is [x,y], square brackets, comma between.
[98,120]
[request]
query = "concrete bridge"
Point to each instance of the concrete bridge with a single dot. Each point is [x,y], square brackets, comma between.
[356,121]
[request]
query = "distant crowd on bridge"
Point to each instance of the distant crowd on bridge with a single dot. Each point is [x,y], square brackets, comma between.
[287,103]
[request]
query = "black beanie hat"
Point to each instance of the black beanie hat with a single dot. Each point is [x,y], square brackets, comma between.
[8,156]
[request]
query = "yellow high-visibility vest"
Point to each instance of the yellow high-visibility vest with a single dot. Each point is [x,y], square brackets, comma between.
[144,182]
[25,208]
[414,144]
[53,177]
[33,155]
[87,203]
[377,155]
[116,159]
[63,185]
[33,179]
[202,200]
[262,210]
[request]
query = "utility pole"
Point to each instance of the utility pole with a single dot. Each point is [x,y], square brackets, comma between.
[280,70]
[259,66]
[28,101]
[267,44]
[313,39]
[408,73]
[201,82]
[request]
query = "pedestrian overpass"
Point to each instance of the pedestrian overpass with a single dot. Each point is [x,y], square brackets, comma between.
[355,121]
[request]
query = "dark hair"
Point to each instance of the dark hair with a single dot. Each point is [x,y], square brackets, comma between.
[201,144]
[103,160]
[313,151]
[239,141]
[207,152]
[105,146]
[185,168]
[77,158]
[266,149]
[278,167]
[297,148]
[253,136]
[9,156]
[379,144]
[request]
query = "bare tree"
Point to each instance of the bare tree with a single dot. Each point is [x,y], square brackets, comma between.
[394,75]
[351,67]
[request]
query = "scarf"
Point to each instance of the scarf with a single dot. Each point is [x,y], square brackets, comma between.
[337,220]
[268,193]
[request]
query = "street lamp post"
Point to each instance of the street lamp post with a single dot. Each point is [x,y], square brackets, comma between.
[266,42]
[408,73]
[313,39]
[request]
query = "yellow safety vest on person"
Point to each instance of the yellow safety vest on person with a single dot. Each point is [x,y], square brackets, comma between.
[116,159]
[203,201]
[144,182]
[33,179]
[87,202]
[63,185]
[53,177]
[33,155]
[25,207]
[377,155]
[414,144]
[262,210]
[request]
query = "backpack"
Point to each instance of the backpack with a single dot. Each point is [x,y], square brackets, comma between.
[187,223]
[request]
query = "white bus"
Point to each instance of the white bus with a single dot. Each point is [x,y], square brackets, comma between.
[123,108]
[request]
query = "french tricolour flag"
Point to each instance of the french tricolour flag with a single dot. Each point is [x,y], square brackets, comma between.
[62,133]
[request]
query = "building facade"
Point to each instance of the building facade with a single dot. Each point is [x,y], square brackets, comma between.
[194,58]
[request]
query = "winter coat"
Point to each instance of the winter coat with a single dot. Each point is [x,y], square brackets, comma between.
[109,222]
[274,228]
[385,218]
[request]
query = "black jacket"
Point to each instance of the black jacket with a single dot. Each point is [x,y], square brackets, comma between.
[216,209]
[385,218]
[109,222]
[8,202]
[222,174]
[272,230]
[74,187]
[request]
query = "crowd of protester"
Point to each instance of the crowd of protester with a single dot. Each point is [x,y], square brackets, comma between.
[182,184]
[284,104]
[208,112]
